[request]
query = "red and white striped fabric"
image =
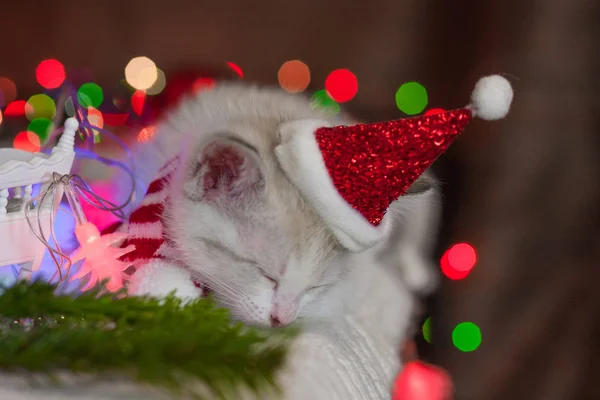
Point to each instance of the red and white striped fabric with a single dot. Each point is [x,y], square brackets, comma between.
[146,226]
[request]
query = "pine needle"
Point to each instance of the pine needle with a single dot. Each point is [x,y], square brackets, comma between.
[164,343]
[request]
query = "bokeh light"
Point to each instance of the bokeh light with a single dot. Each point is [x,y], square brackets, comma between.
[411,98]
[159,83]
[50,74]
[322,100]
[138,99]
[115,119]
[341,85]
[95,118]
[8,91]
[294,76]
[41,127]
[69,107]
[427,330]
[462,257]
[141,73]
[435,111]
[16,108]
[458,261]
[27,141]
[203,84]
[236,68]
[146,134]
[90,95]
[40,106]
[466,336]
[0,116]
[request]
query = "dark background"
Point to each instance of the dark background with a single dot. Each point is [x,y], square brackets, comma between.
[524,191]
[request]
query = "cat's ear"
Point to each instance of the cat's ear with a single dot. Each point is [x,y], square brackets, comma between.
[224,169]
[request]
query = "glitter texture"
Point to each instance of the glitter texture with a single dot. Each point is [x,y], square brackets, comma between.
[372,165]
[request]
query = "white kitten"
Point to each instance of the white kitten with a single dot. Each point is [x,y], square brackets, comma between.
[243,229]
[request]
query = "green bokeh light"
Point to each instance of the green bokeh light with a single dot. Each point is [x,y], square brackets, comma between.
[321,99]
[427,330]
[411,98]
[41,127]
[466,336]
[90,95]
[40,106]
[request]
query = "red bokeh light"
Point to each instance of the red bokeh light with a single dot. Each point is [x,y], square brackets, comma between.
[434,111]
[236,69]
[50,74]
[16,108]
[204,84]
[341,85]
[115,119]
[27,141]
[462,257]
[138,99]
[458,261]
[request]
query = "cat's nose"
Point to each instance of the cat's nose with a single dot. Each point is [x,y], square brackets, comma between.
[275,322]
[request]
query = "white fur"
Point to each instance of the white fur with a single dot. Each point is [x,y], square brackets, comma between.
[355,324]
[492,97]
[300,157]
[159,278]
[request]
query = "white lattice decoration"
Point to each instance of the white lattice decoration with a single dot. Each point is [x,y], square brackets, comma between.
[20,171]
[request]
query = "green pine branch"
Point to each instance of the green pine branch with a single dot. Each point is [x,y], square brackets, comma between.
[164,343]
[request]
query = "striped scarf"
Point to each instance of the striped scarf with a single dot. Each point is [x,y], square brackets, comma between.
[145,225]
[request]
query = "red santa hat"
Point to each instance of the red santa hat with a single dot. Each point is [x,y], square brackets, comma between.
[351,174]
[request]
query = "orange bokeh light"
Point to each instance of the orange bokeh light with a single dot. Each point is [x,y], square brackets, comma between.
[8,91]
[294,76]
[146,134]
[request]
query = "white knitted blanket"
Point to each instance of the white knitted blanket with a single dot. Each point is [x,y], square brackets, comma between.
[351,358]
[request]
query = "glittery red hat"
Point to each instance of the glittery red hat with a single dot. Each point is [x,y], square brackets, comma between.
[351,174]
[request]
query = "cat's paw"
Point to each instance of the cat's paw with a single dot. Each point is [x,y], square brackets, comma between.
[159,278]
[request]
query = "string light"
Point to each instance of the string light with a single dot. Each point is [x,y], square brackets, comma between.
[294,76]
[115,119]
[411,98]
[466,336]
[159,84]
[138,99]
[8,91]
[41,127]
[50,74]
[27,141]
[141,73]
[16,108]
[341,85]
[236,68]
[203,84]
[427,330]
[90,95]
[146,134]
[435,111]
[458,261]
[322,100]
[40,106]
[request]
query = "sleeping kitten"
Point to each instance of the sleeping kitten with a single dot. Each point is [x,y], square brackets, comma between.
[242,229]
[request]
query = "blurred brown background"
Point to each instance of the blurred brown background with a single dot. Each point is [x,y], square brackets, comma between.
[524,191]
